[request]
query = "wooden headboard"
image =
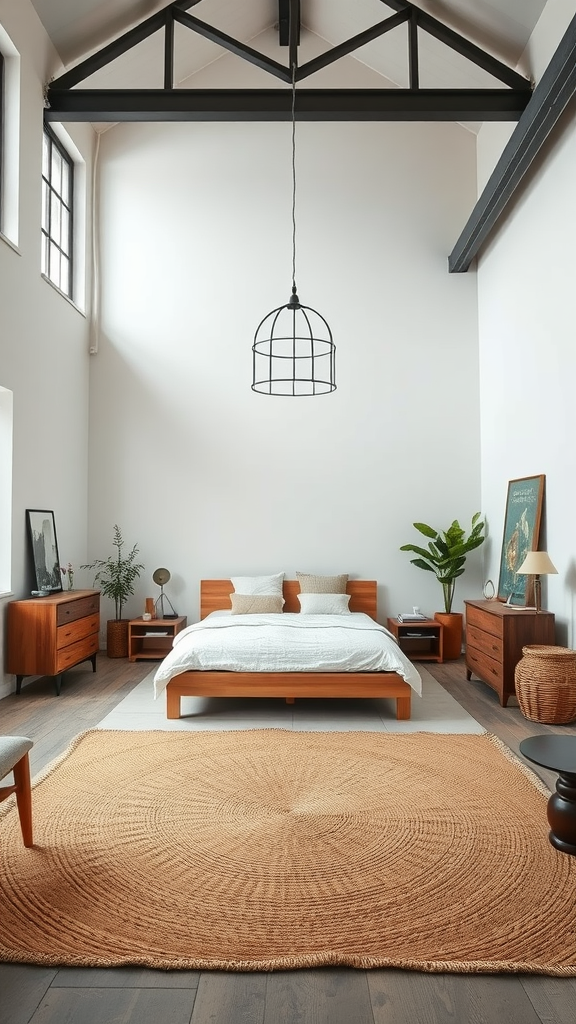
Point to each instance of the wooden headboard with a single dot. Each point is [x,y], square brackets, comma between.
[215,595]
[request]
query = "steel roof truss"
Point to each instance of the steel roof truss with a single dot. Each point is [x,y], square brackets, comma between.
[290,10]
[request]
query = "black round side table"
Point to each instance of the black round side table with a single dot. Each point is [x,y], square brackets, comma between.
[559,754]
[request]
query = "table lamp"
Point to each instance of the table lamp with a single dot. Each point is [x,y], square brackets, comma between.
[537,564]
[162,576]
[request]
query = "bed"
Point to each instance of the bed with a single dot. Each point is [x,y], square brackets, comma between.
[178,681]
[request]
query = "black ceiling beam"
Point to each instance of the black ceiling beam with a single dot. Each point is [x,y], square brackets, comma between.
[293,36]
[349,45]
[413,63]
[111,105]
[121,45]
[290,9]
[461,45]
[548,101]
[169,53]
[283,22]
[233,45]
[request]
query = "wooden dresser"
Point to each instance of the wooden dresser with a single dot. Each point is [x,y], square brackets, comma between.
[47,635]
[495,636]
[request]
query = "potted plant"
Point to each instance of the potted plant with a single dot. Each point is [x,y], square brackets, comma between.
[116,576]
[445,556]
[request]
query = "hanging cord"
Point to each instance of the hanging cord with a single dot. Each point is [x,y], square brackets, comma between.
[293,179]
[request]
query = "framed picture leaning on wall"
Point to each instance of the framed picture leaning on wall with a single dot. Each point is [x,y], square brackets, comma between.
[521,535]
[44,548]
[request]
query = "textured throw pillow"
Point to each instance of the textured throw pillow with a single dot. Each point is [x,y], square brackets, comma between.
[310,584]
[324,604]
[256,604]
[258,584]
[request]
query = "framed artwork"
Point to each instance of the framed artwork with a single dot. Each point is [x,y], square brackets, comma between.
[521,535]
[44,547]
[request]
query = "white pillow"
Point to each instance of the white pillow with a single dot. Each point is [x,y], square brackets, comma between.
[258,584]
[324,604]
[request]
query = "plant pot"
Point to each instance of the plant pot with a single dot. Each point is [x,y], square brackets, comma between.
[117,638]
[452,634]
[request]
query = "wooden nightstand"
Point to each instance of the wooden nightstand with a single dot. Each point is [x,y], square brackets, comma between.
[420,641]
[152,639]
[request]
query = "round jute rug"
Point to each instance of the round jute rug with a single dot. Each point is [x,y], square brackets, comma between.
[267,849]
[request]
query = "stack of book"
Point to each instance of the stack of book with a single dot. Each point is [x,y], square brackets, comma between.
[411,617]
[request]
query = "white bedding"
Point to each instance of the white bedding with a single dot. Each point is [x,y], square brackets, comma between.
[289,642]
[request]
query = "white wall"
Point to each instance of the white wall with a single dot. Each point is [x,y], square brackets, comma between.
[43,340]
[211,479]
[527,352]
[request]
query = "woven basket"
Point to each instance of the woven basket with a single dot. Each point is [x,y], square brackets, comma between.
[545,680]
[117,638]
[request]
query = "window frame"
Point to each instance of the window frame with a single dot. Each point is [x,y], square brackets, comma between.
[2,122]
[48,239]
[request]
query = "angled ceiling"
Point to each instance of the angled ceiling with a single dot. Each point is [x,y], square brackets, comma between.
[438,60]
[80,28]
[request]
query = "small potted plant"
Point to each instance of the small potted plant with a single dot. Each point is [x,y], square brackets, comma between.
[445,556]
[116,576]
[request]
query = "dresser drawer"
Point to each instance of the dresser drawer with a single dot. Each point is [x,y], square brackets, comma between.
[76,630]
[74,653]
[483,620]
[485,642]
[490,670]
[72,610]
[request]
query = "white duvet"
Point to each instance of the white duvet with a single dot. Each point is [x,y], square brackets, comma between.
[289,642]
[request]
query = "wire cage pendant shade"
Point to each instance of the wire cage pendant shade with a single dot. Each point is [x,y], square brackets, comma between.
[293,353]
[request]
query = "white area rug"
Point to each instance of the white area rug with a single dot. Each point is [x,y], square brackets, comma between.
[435,711]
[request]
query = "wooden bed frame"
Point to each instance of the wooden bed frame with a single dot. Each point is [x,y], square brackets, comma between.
[215,595]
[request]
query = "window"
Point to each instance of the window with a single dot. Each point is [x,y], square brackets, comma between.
[57,199]
[1,119]
[9,138]
[6,410]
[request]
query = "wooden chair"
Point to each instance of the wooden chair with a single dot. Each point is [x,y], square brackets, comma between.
[14,758]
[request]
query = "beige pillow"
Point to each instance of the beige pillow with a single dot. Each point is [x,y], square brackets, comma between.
[256,604]
[310,584]
[324,604]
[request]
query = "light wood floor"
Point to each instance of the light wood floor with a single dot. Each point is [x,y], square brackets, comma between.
[37,995]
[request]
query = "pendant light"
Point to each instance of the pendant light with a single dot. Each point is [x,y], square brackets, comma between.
[293,352]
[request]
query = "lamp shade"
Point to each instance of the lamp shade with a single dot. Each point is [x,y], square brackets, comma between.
[537,563]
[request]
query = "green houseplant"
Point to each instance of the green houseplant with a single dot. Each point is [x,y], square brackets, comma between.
[116,576]
[445,556]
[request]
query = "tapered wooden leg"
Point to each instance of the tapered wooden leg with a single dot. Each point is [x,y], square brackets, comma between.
[172,703]
[403,705]
[24,798]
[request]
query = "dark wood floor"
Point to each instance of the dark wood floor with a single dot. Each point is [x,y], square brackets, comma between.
[41,995]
